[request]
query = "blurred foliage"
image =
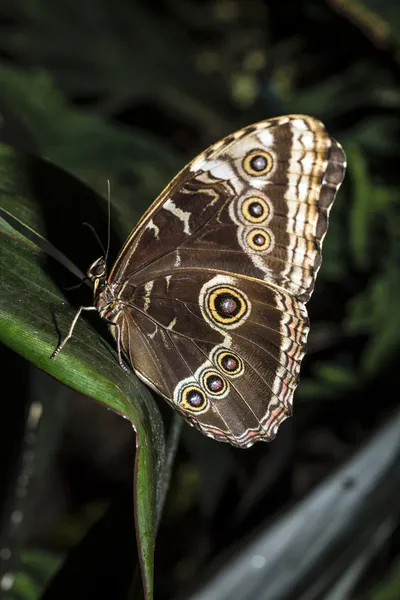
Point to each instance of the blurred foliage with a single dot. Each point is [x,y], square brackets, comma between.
[389,589]
[35,570]
[129,91]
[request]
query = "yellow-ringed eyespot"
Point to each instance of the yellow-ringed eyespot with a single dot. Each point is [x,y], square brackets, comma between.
[229,363]
[257,163]
[214,384]
[259,240]
[227,306]
[193,399]
[255,209]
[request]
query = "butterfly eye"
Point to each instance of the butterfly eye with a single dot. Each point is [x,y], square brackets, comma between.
[193,399]
[98,269]
[255,209]
[214,383]
[258,163]
[259,240]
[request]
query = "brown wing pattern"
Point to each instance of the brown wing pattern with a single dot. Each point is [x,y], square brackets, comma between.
[215,277]
[225,351]
[221,212]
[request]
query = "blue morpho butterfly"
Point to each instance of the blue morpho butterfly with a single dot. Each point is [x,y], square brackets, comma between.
[206,300]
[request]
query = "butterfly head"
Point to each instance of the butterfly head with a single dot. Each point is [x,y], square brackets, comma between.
[97,273]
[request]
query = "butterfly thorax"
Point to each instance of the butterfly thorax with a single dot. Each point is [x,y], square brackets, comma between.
[106,295]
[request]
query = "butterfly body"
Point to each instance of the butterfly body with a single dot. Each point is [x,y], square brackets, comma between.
[207,297]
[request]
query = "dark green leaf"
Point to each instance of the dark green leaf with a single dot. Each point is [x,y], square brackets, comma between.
[32,308]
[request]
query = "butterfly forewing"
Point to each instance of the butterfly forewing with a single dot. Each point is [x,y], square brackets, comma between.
[268,224]
[215,277]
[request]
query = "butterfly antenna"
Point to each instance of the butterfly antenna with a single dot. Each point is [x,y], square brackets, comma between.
[109,219]
[77,285]
[96,236]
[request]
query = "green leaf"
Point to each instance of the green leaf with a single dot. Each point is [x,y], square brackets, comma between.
[35,201]
[362,207]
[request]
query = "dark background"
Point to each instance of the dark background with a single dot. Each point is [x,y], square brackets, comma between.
[130,91]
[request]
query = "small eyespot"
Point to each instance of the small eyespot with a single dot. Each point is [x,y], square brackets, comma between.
[214,384]
[229,363]
[193,399]
[257,163]
[255,209]
[259,239]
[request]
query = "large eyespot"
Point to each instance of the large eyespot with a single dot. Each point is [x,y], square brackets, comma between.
[255,209]
[227,306]
[259,240]
[229,363]
[214,384]
[257,163]
[193,399]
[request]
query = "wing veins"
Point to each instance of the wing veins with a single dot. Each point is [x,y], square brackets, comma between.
[191,338]
[193,375]
[187,303]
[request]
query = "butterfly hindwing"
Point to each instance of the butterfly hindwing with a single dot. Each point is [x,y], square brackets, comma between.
[226,351]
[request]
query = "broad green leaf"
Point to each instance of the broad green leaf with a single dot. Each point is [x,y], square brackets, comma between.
[35,202]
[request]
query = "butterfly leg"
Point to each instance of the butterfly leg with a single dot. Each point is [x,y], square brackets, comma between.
[71,329]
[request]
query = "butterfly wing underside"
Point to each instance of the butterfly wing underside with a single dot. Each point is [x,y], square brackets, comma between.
[216,275]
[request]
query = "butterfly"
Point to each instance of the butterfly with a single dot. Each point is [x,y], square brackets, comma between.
[206,300]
